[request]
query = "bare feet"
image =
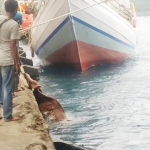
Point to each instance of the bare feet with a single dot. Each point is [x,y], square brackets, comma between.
[12,119]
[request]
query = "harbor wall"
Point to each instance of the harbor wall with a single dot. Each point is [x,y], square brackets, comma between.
[31,131]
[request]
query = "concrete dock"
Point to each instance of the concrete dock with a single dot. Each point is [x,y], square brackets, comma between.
[31,131]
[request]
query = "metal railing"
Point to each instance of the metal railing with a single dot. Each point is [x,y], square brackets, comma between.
[120,9]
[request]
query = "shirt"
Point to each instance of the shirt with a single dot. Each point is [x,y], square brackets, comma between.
[8,31]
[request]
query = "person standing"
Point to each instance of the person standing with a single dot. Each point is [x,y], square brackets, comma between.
[9,60]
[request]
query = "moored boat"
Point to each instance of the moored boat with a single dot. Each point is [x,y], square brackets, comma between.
[26,13]
[27,16]
[83,33]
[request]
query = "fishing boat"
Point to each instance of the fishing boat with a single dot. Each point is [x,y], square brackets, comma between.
[84,33]
[24,8]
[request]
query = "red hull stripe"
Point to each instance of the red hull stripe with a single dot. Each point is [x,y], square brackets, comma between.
[82,55]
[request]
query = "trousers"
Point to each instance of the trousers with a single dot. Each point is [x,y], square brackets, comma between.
[7,82]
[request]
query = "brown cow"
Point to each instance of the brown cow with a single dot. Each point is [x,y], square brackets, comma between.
[48,105]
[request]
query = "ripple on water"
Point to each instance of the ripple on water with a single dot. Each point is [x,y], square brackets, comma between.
[108,106]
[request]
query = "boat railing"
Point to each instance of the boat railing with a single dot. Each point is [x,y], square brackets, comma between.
[120,9]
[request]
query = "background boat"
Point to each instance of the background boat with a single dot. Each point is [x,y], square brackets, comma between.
[97,32]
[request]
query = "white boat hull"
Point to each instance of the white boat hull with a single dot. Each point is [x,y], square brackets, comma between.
[89,37]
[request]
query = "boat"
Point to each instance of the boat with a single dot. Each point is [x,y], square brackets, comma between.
[25,9]
[68,146]
[84,33]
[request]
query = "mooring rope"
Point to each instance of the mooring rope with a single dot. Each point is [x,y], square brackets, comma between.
[64,15]
[28,30]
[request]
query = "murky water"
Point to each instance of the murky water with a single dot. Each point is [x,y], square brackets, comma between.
[108,106]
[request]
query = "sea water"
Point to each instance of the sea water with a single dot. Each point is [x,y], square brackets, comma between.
[107,107]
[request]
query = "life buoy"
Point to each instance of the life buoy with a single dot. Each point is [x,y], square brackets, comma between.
[27,20]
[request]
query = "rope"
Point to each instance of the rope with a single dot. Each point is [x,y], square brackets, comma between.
[96,3]
[65,15]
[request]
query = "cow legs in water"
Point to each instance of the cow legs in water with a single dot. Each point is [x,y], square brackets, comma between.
[46,104]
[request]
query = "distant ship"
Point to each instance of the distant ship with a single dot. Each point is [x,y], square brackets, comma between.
[84,33]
